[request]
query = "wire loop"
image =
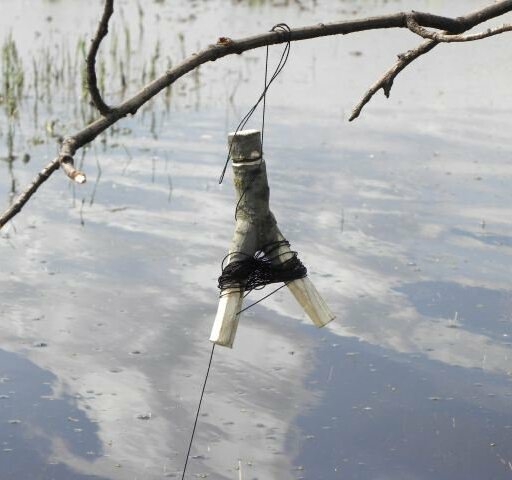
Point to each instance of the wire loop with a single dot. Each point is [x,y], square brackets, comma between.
[280,27]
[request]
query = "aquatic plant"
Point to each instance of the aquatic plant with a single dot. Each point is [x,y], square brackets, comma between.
[13,77]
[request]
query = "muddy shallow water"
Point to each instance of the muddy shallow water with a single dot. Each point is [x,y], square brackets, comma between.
[108,291]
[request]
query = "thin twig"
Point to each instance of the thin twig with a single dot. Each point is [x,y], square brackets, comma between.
[386,81]
[226,46]
[41,177]
[92,81]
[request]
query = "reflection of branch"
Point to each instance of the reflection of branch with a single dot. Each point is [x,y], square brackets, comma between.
[93,195]
[92,82]
[10,169]
[226,46]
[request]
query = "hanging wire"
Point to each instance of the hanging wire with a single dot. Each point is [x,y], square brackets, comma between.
[280,27]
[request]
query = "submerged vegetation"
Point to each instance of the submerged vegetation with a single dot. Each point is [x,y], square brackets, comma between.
[53,85]
[13,77]
[44,92]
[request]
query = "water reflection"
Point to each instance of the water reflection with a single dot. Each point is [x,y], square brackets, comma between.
[42,428]
[474,309]
[486,237]
[387,416]
[119,282]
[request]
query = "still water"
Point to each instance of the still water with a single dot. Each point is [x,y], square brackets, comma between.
[108,291]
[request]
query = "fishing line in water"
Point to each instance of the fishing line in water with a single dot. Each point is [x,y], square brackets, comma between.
[258,268]
[197,413]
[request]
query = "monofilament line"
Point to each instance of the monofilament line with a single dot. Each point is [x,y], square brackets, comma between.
[197,413]
[280,27]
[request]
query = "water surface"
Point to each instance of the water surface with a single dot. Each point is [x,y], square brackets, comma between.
[108,291]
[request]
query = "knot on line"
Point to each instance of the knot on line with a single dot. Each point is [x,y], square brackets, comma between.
[261,269]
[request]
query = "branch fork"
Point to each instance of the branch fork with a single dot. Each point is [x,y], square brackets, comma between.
[256,227]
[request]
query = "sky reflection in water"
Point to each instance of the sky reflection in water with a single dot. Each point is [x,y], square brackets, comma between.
[402,219]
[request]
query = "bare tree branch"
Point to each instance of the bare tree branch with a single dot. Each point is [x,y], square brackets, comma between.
[226,46]
[444,38]
[24,197]
[64,161]
[92,81]
[385,82]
